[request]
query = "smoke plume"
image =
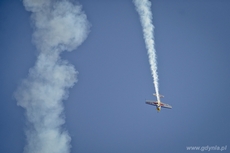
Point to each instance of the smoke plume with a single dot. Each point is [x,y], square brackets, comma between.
[143,8]
[58,26]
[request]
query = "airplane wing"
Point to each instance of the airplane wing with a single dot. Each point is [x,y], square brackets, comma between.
[166,105]
[150,102]
[155,103]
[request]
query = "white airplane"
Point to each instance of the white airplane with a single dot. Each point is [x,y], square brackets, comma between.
[158,104]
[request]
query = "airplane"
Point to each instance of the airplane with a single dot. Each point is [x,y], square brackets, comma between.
[158,104]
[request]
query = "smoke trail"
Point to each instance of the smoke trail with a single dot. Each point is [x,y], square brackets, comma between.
[58,26]
[143,7]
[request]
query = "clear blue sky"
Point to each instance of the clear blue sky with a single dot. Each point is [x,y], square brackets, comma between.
[106,110]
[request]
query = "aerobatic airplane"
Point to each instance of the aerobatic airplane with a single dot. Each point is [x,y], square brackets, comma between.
[158,104]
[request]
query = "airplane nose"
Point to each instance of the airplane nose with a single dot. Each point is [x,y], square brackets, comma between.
[158,108]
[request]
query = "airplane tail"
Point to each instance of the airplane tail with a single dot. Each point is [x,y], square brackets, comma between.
[161,96]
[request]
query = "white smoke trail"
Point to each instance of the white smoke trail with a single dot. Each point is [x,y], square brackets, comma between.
[143,7]
[59,25]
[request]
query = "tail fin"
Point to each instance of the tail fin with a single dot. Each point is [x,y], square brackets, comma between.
[159,95]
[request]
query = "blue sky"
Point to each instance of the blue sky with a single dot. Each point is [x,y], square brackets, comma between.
[106,110]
